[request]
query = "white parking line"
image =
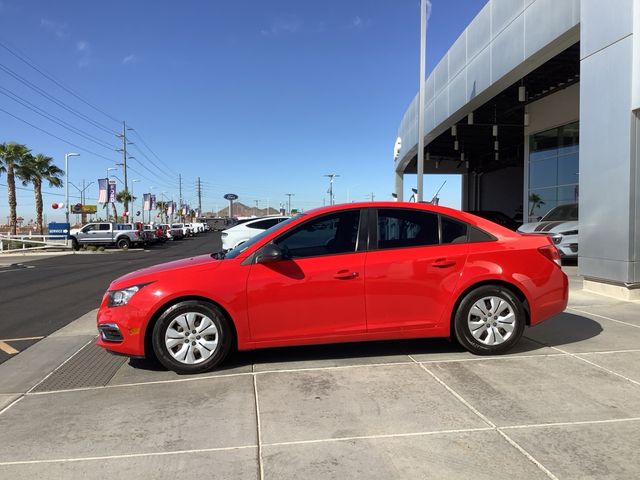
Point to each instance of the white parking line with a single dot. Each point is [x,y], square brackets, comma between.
[128,455]
[20,339]
[603,317]
[380,436]
[259,430]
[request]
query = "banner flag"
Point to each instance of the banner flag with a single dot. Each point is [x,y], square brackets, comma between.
[147,202]
[103,185]
[112,191]
[171,206]
[153,202]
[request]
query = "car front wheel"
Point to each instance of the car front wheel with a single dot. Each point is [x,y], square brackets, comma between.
[489,320]
[192,337]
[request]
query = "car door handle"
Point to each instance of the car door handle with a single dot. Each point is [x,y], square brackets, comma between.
[443,263]
[346,275]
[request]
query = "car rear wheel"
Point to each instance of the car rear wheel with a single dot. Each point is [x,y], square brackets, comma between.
[192,337]
[489,320]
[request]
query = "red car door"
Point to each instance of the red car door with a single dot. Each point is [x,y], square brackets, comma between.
[412,269]
[318,289]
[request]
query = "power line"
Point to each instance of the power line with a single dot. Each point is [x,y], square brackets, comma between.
[152,152]
[34,108]
[51,98]
[151,161]
[32,64]
[55,136]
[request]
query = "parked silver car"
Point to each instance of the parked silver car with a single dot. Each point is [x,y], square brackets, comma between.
[561,224]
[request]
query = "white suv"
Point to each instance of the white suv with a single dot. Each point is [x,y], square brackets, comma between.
[242,232]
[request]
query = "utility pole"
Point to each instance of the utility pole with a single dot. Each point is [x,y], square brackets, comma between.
[330,191]
[180,188]
[372,196]
[199,196]
[124,167]
[289,195]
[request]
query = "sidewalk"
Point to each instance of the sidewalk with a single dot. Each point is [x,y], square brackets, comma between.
[564,404]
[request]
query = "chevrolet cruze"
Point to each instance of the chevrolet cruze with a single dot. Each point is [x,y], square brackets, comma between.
[344,273]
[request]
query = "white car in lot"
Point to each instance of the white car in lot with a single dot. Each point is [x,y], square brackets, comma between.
[234,236]
[561,224]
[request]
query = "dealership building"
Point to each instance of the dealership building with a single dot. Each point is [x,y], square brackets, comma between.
[536,105]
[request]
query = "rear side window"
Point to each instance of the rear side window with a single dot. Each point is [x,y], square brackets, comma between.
[399,228]
[104,226]
[453,231]
[264,224]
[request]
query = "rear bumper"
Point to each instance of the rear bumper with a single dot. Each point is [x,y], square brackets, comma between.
[552,296]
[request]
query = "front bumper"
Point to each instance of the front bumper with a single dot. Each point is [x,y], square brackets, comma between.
[122,330]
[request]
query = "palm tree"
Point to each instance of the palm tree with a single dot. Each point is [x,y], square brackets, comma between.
[535,201]
[35,170]
[162,206]
[123,197]
[11,154]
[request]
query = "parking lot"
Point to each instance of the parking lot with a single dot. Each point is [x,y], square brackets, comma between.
[564,404]
[42,292]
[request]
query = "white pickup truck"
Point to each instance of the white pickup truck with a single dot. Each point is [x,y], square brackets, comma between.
[108,234]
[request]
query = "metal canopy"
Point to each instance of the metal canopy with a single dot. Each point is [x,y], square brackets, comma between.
[505,110]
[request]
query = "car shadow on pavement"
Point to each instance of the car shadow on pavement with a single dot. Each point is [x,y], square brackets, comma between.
[561,330]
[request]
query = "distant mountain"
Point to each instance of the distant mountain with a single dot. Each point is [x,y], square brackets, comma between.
[242,210]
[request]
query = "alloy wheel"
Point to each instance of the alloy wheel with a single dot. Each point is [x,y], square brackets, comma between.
[191,338]
[492,320]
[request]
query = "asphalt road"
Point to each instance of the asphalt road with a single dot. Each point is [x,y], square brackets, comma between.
[52,292]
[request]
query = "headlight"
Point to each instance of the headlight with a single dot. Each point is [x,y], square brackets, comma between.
[570,232]
[117,298]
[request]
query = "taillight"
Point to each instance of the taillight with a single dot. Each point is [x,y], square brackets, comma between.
[551,252]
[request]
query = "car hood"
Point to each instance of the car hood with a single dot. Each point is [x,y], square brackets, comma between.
[549,227]
[151,274]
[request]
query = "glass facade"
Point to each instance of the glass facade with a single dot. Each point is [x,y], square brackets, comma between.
[553,169]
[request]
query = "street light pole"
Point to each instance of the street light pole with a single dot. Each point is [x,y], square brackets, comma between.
[66,182]
[132,199]
[330,192]
[289,195]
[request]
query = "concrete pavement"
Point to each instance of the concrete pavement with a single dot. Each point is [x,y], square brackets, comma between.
[564,404]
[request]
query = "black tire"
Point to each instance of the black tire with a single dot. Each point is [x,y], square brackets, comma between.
[489,324]
[219,319]
[123,243]
[75,244]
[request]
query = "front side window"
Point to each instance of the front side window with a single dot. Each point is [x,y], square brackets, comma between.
[89,228]
[328,235]
[400,228]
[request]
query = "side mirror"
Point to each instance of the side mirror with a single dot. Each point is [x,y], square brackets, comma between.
[269,253]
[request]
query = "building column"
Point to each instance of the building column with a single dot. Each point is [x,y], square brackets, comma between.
[609,231]
[399,186]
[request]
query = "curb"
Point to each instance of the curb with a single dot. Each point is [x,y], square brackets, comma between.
[30,367]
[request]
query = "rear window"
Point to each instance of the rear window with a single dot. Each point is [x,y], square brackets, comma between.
[453,231]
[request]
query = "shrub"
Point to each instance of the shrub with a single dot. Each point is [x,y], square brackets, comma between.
[101,248]
[91,248]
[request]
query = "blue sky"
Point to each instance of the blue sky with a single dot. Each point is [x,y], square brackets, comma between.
[259,98]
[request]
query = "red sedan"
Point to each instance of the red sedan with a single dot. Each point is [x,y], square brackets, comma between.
[345,273]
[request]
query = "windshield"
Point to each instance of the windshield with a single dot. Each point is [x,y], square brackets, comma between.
[233,253]
[562,213]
